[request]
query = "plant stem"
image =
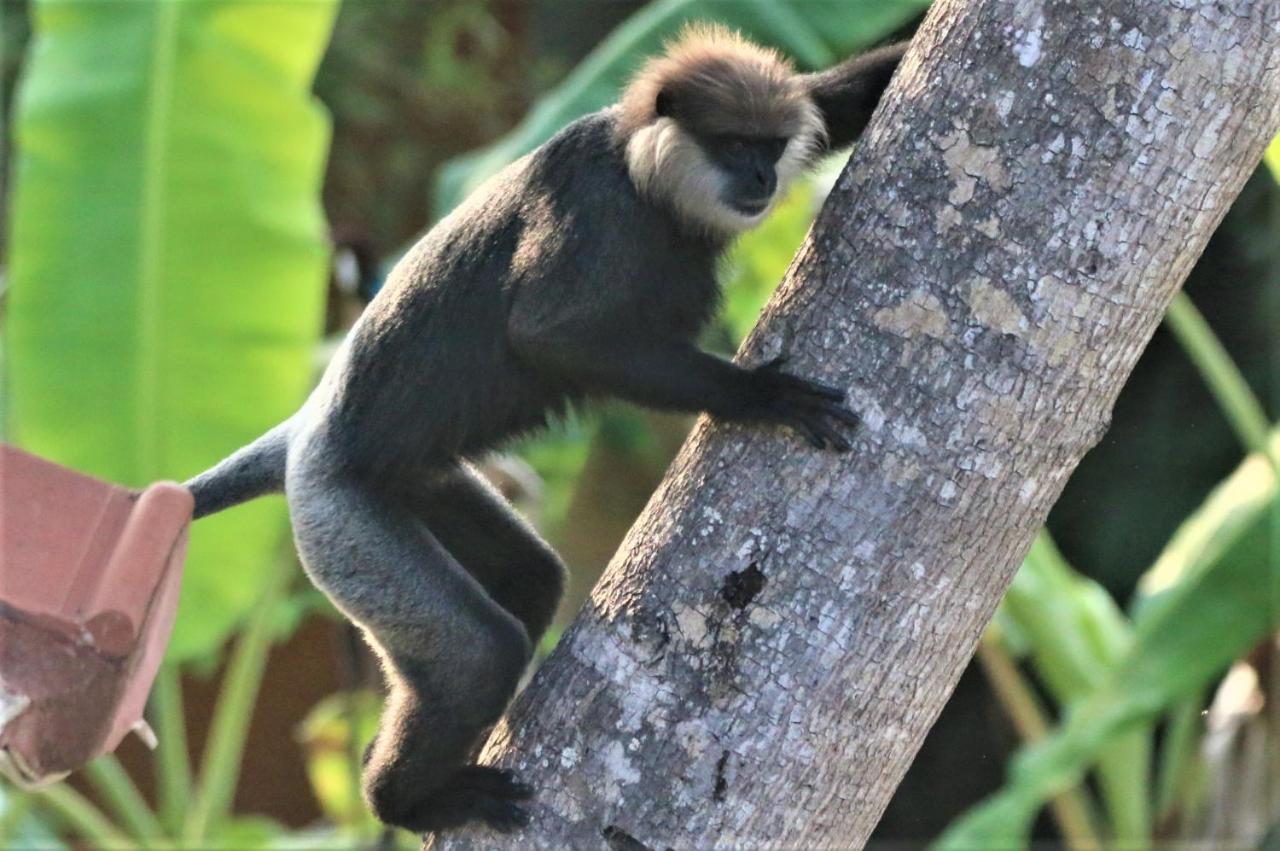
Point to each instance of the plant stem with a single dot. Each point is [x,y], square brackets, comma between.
[118,790]
[220,764]
[1123,772]
[17,803]
[1071,808]
[87,820]
[1238,403]
[1176,753]
[173,755]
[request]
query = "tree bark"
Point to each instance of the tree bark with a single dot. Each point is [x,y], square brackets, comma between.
[768,649]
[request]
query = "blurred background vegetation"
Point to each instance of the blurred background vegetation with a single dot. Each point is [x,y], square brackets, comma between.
[199,195]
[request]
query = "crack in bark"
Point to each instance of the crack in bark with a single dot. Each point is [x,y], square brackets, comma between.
[722,784]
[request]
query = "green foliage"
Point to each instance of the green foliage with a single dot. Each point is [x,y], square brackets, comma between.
[1272,157]
[331,734]
[1074,633]
[816,33]
[168,268]
[558,457]
[168,256]
[1205,622]
[1203,604]
[19,827]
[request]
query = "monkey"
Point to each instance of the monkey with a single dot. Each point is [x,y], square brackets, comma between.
[584,270]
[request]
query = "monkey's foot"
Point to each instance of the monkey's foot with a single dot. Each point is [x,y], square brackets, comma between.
[476,793]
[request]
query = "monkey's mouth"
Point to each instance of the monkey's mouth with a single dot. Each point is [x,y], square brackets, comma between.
[751,208]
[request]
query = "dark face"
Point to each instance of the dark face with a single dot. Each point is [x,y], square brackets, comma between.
[749,165]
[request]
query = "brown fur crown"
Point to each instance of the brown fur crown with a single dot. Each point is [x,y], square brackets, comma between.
[715,81]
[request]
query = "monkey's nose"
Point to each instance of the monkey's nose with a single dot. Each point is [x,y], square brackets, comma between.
[766,180]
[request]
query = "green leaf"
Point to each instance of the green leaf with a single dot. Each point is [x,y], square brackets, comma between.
[168,255]
[1073,629]
[246,833]
[816,33]
[1213,605]
[20,826]
[1075,634]
[1272,157]
[1230,513]
[334,734]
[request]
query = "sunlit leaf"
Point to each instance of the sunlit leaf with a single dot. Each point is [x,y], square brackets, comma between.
[168,255]
[333,736]
[1272,157]
[759,259]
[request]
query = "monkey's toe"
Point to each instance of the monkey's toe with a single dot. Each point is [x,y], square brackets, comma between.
[476,793]
[502,815]
[489,780]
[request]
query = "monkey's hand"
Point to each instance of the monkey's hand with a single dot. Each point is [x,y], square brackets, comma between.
[811,408]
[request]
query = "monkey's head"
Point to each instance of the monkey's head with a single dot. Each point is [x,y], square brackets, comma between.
[717,127]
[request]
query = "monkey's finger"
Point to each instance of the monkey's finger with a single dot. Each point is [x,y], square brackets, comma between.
[502,816]
[841,413]
[814,388]
[808,432]
[518,791]
[833,438]
[498,782]
[774,364]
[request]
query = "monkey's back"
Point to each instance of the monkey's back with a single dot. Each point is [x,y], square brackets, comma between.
[428,373]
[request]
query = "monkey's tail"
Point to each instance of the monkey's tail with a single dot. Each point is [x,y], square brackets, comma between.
[251,472]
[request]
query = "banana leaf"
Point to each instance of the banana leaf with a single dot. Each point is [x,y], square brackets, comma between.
[168,256]
[1075,633]
[815,33]
[1215,606]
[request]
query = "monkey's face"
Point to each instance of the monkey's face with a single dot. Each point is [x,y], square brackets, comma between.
[748,168]
[723,182]
[718,127]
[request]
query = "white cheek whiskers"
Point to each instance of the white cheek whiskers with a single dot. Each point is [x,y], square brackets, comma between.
[665,163]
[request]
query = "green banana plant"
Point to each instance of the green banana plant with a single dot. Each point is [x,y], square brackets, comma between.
[168,255]
[168,265]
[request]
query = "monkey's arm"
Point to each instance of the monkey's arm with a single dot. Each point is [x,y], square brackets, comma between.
[676,375]
[847,94]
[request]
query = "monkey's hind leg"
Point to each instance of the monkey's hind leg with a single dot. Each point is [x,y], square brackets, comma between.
[452,656]
[479,528]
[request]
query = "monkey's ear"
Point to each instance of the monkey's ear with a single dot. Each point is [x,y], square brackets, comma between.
[662,104]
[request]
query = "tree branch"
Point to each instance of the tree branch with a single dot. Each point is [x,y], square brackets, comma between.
[763,657]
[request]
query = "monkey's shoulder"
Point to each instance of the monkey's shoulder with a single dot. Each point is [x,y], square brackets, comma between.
[578,182]
[582,218]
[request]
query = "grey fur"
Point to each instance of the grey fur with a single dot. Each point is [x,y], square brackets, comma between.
[251,472]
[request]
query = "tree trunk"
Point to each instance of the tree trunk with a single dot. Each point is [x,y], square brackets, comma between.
[764,656]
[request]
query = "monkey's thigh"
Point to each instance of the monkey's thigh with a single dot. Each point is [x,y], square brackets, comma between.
[382,567]
[496,545]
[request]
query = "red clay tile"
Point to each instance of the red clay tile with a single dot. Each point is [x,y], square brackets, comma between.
[89,577]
